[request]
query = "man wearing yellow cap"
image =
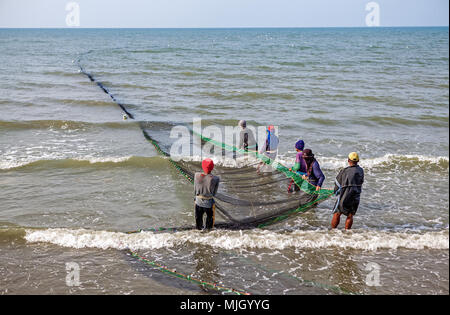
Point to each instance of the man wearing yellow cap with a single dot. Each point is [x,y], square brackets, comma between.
[348,187]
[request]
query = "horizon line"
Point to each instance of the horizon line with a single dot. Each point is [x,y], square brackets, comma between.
[232,27]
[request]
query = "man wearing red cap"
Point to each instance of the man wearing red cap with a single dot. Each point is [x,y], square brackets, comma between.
[205,188]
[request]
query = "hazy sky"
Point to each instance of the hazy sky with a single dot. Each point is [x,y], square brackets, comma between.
[222,13]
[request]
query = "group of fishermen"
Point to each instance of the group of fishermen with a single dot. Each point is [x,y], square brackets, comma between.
[348,183]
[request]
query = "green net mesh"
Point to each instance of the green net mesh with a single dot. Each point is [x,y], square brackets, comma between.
[247,199]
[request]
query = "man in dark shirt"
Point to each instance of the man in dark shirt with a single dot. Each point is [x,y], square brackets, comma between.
[314,174]
[348,189]
[205,188]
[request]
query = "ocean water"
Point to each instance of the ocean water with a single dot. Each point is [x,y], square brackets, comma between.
[75,176]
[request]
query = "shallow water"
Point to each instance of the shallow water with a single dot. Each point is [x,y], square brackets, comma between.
[75,176]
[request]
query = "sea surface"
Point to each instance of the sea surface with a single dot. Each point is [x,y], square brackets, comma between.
[75,176]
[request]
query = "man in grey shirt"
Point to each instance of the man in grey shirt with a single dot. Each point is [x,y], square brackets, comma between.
[205,188]
[246,138]
[348,188]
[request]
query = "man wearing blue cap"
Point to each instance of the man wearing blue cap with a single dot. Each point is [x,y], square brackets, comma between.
[300,165]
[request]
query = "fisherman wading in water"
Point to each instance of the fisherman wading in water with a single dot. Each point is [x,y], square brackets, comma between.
[247,140]
[270,149]
[313,174]
[300,165]
[205,188]
[348,187]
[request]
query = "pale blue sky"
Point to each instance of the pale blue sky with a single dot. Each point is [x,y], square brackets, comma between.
[222,13]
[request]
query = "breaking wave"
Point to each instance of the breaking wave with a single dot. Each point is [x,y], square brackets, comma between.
[406,162]
[389,161]
[50,162]
[62,124]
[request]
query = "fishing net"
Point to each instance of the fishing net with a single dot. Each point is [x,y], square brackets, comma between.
[246,198]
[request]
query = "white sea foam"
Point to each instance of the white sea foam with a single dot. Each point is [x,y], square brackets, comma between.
[21,162]
[329,163]
[255,239]
[333,163]
[110,159]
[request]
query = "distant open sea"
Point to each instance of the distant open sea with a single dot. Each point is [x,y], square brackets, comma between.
[74,176]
